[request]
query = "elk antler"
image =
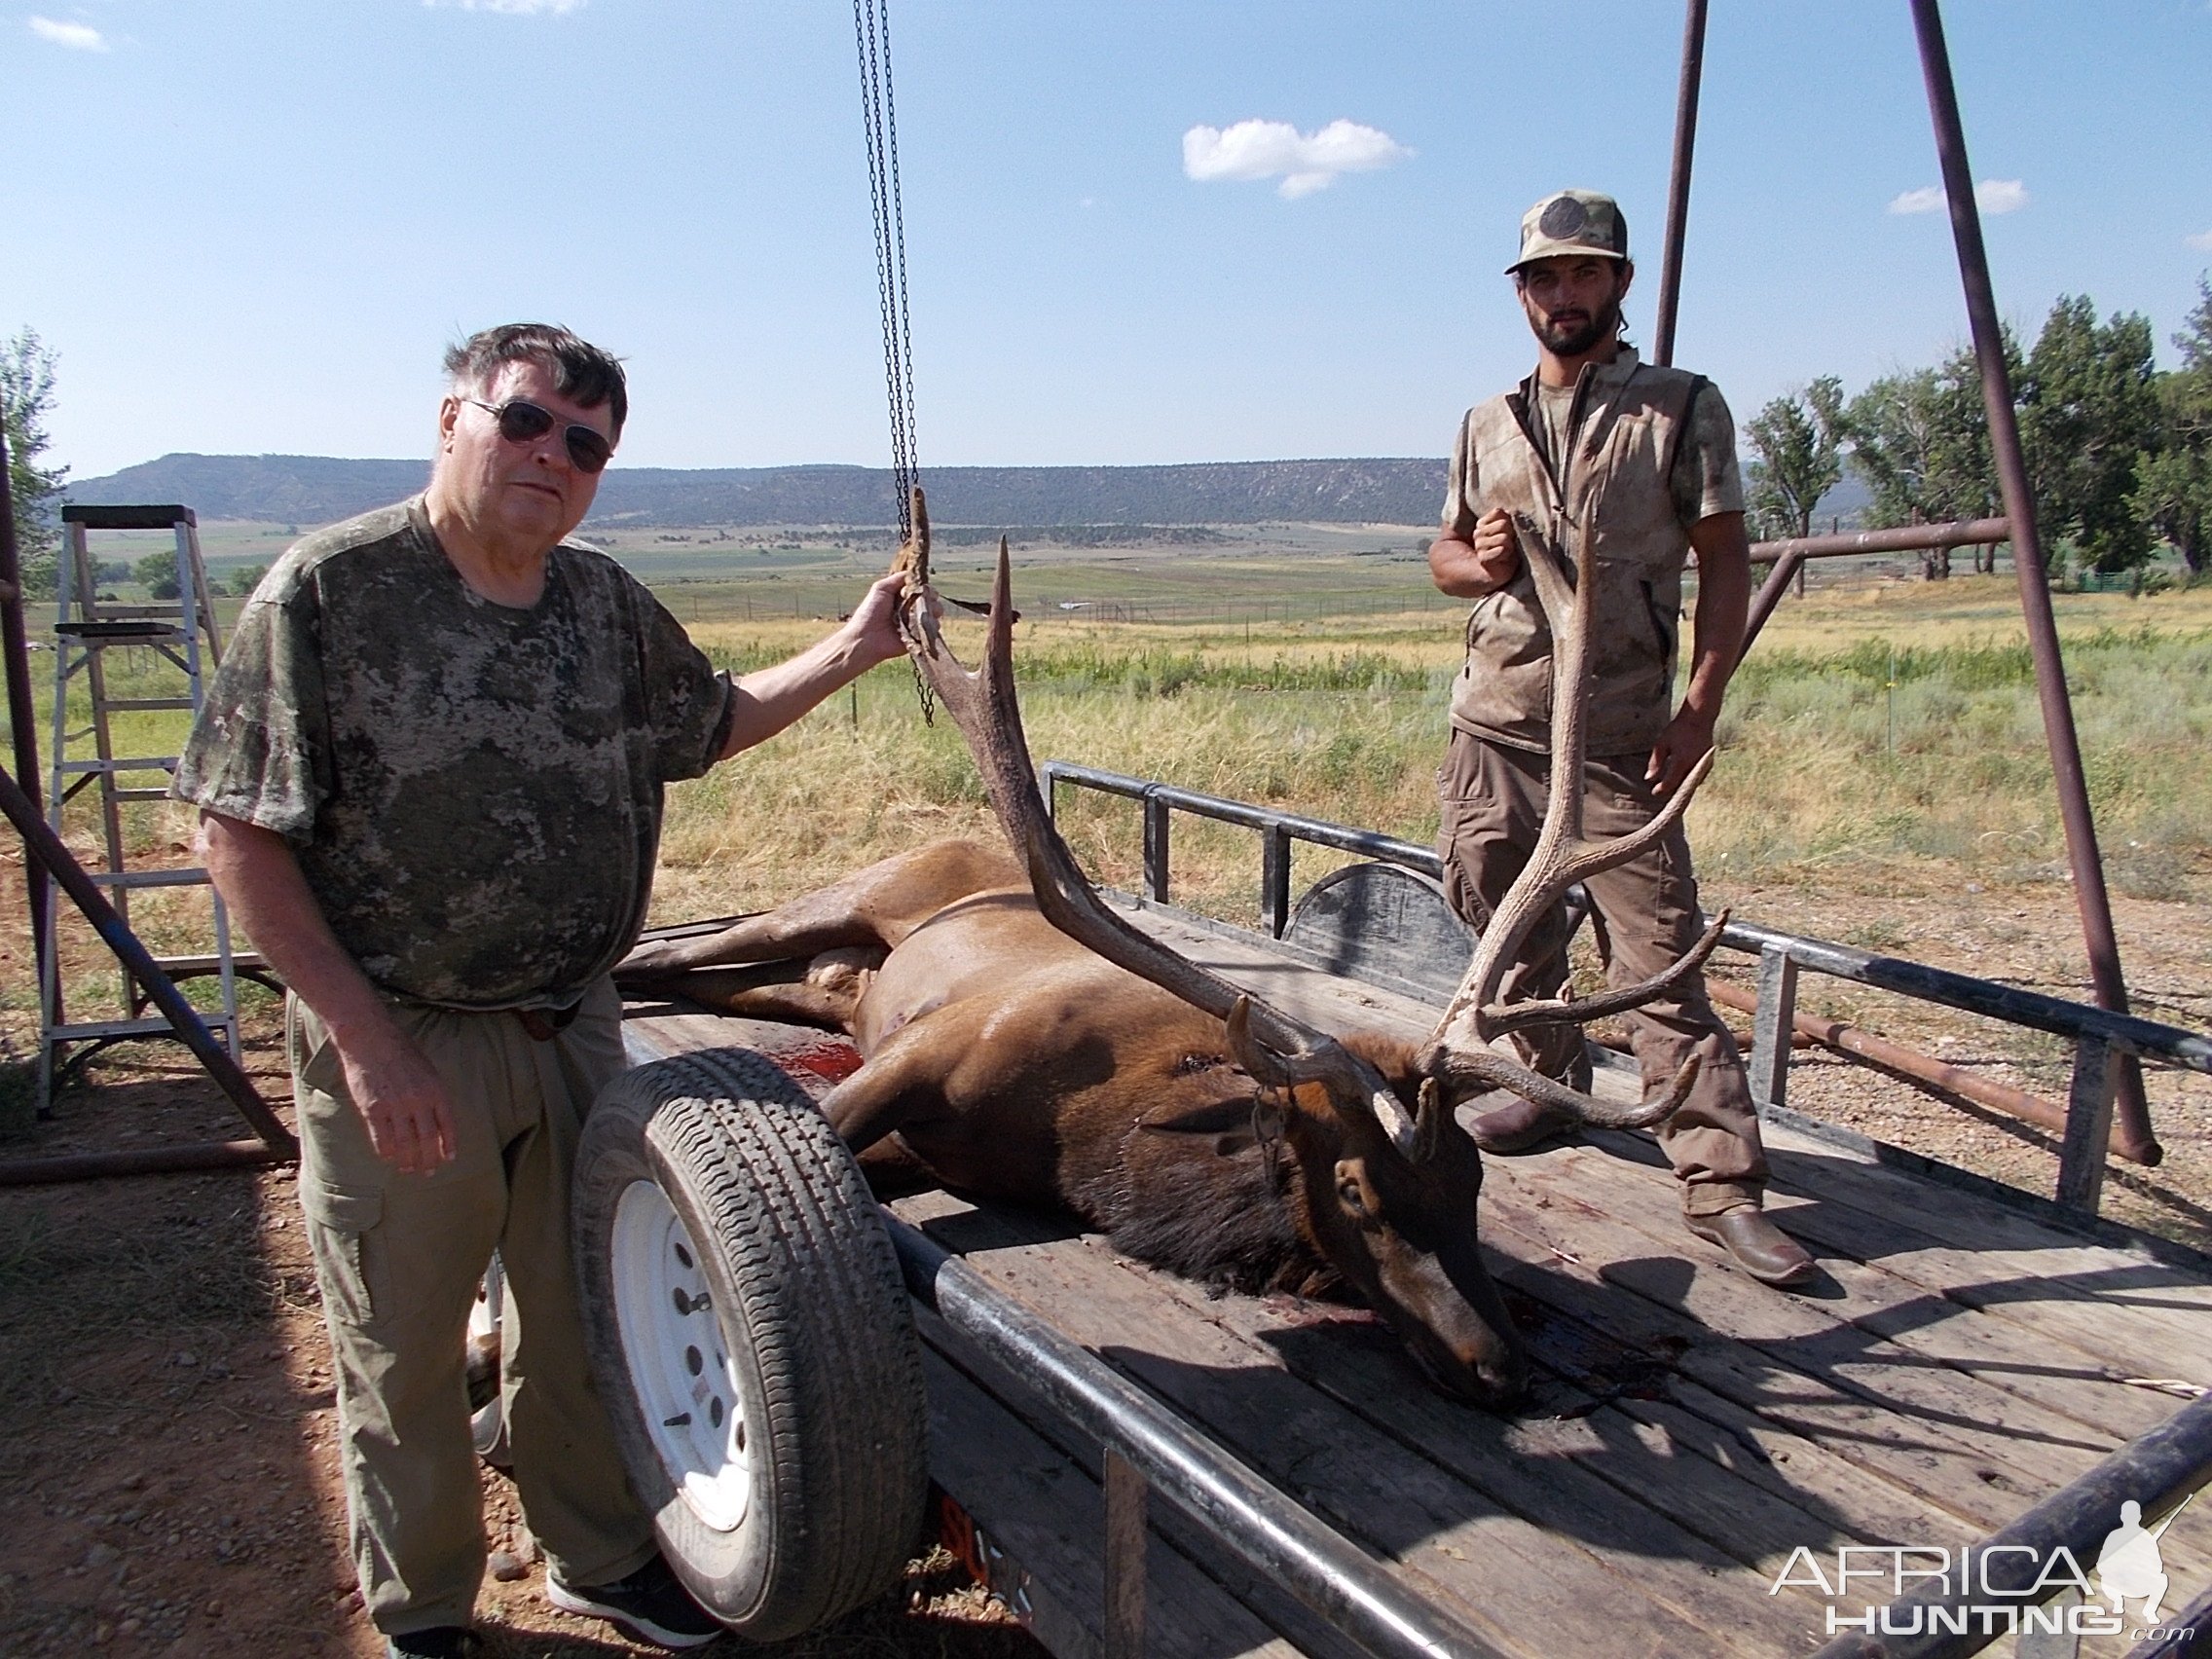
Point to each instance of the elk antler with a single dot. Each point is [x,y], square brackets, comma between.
[1458,1051]
[1275,1048]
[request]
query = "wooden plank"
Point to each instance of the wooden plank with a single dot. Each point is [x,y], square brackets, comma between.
[1050,1516]
[1972,1435]
[1690,1531]
[1534,1591]
[1558,1262]
[1692,1421]
[2050,1375]
[1321,999]
[2086,1297]
[1997,1260]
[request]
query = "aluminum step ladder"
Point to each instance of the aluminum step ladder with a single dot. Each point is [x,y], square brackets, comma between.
[171,644]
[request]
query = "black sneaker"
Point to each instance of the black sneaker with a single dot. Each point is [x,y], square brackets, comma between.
[649,1605]
[439,1641]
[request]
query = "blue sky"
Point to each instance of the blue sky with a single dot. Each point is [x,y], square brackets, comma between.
[251,225]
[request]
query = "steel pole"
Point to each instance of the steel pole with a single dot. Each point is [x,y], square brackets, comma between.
[2131,1117]
[22,724]
[1678,182]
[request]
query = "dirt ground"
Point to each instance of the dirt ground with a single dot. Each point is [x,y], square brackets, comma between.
[168,1478]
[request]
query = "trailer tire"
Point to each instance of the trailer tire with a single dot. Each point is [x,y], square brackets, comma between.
[710,1183]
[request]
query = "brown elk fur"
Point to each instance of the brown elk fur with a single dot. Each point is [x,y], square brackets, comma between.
[1014,1063]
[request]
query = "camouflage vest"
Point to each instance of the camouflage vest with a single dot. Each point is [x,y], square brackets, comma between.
[1629,421]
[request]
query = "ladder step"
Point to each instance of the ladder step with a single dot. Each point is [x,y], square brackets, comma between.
[163,515]
[240,962]
[148,878]
[216,1021]
[139,763]
[122,631]
[141,795]
[142,703]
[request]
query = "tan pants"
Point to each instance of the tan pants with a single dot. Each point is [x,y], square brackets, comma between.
[1645,915]
[398,1257]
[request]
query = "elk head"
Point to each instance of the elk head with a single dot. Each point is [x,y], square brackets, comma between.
[1389,1193]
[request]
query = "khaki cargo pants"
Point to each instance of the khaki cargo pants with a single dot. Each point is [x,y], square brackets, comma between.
[398,1257]
[1645,915]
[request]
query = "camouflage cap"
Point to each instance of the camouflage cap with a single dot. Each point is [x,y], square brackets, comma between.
[1570,222]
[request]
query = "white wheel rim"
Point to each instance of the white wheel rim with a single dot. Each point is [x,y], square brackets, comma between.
[678,1355]
[484,1316]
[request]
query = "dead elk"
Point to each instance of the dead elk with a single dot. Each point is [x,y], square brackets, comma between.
[1010,1061]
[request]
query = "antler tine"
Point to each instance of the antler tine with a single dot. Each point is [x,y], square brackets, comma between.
[1499,1019]
[1458,1050]
[1471,1071]
[984,708]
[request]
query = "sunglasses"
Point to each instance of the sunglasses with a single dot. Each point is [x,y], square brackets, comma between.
[523,422]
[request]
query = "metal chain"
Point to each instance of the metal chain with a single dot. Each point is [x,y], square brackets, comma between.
[880,125]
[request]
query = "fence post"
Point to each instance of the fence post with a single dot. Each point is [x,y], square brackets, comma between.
[1274,879]
[1155,848]
[2088,1125]
[1771,1026]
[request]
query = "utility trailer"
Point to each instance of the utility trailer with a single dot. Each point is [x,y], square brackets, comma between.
[1707,1466]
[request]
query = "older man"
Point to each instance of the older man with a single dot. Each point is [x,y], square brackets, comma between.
[431,773]
[1641,461]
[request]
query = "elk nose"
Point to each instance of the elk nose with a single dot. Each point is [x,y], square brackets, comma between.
[1503,1381]
[1494,1377]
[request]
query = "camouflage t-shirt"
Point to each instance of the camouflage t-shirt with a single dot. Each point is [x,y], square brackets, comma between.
[473,791]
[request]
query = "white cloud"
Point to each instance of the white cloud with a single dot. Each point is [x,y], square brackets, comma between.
[1305,161]
[77,37]
[2202,239]
[514,8]
[1992,195]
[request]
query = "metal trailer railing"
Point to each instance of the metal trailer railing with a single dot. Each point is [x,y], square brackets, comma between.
[2099,1038]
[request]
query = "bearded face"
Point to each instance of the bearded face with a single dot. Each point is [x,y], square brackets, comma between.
[1574,305]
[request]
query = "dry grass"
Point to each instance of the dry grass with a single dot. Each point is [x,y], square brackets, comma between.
[1827,762]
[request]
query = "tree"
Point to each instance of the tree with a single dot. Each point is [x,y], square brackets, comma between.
[158,572]
[1798,439]
[27,398]
[2088,411]
[2173,481]
[1920,440]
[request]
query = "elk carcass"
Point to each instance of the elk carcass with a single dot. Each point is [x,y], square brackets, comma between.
[1020,1040]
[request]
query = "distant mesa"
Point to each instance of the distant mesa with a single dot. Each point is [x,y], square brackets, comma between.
[309,490]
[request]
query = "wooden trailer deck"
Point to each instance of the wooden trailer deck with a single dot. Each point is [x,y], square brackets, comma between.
[1690,1428]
